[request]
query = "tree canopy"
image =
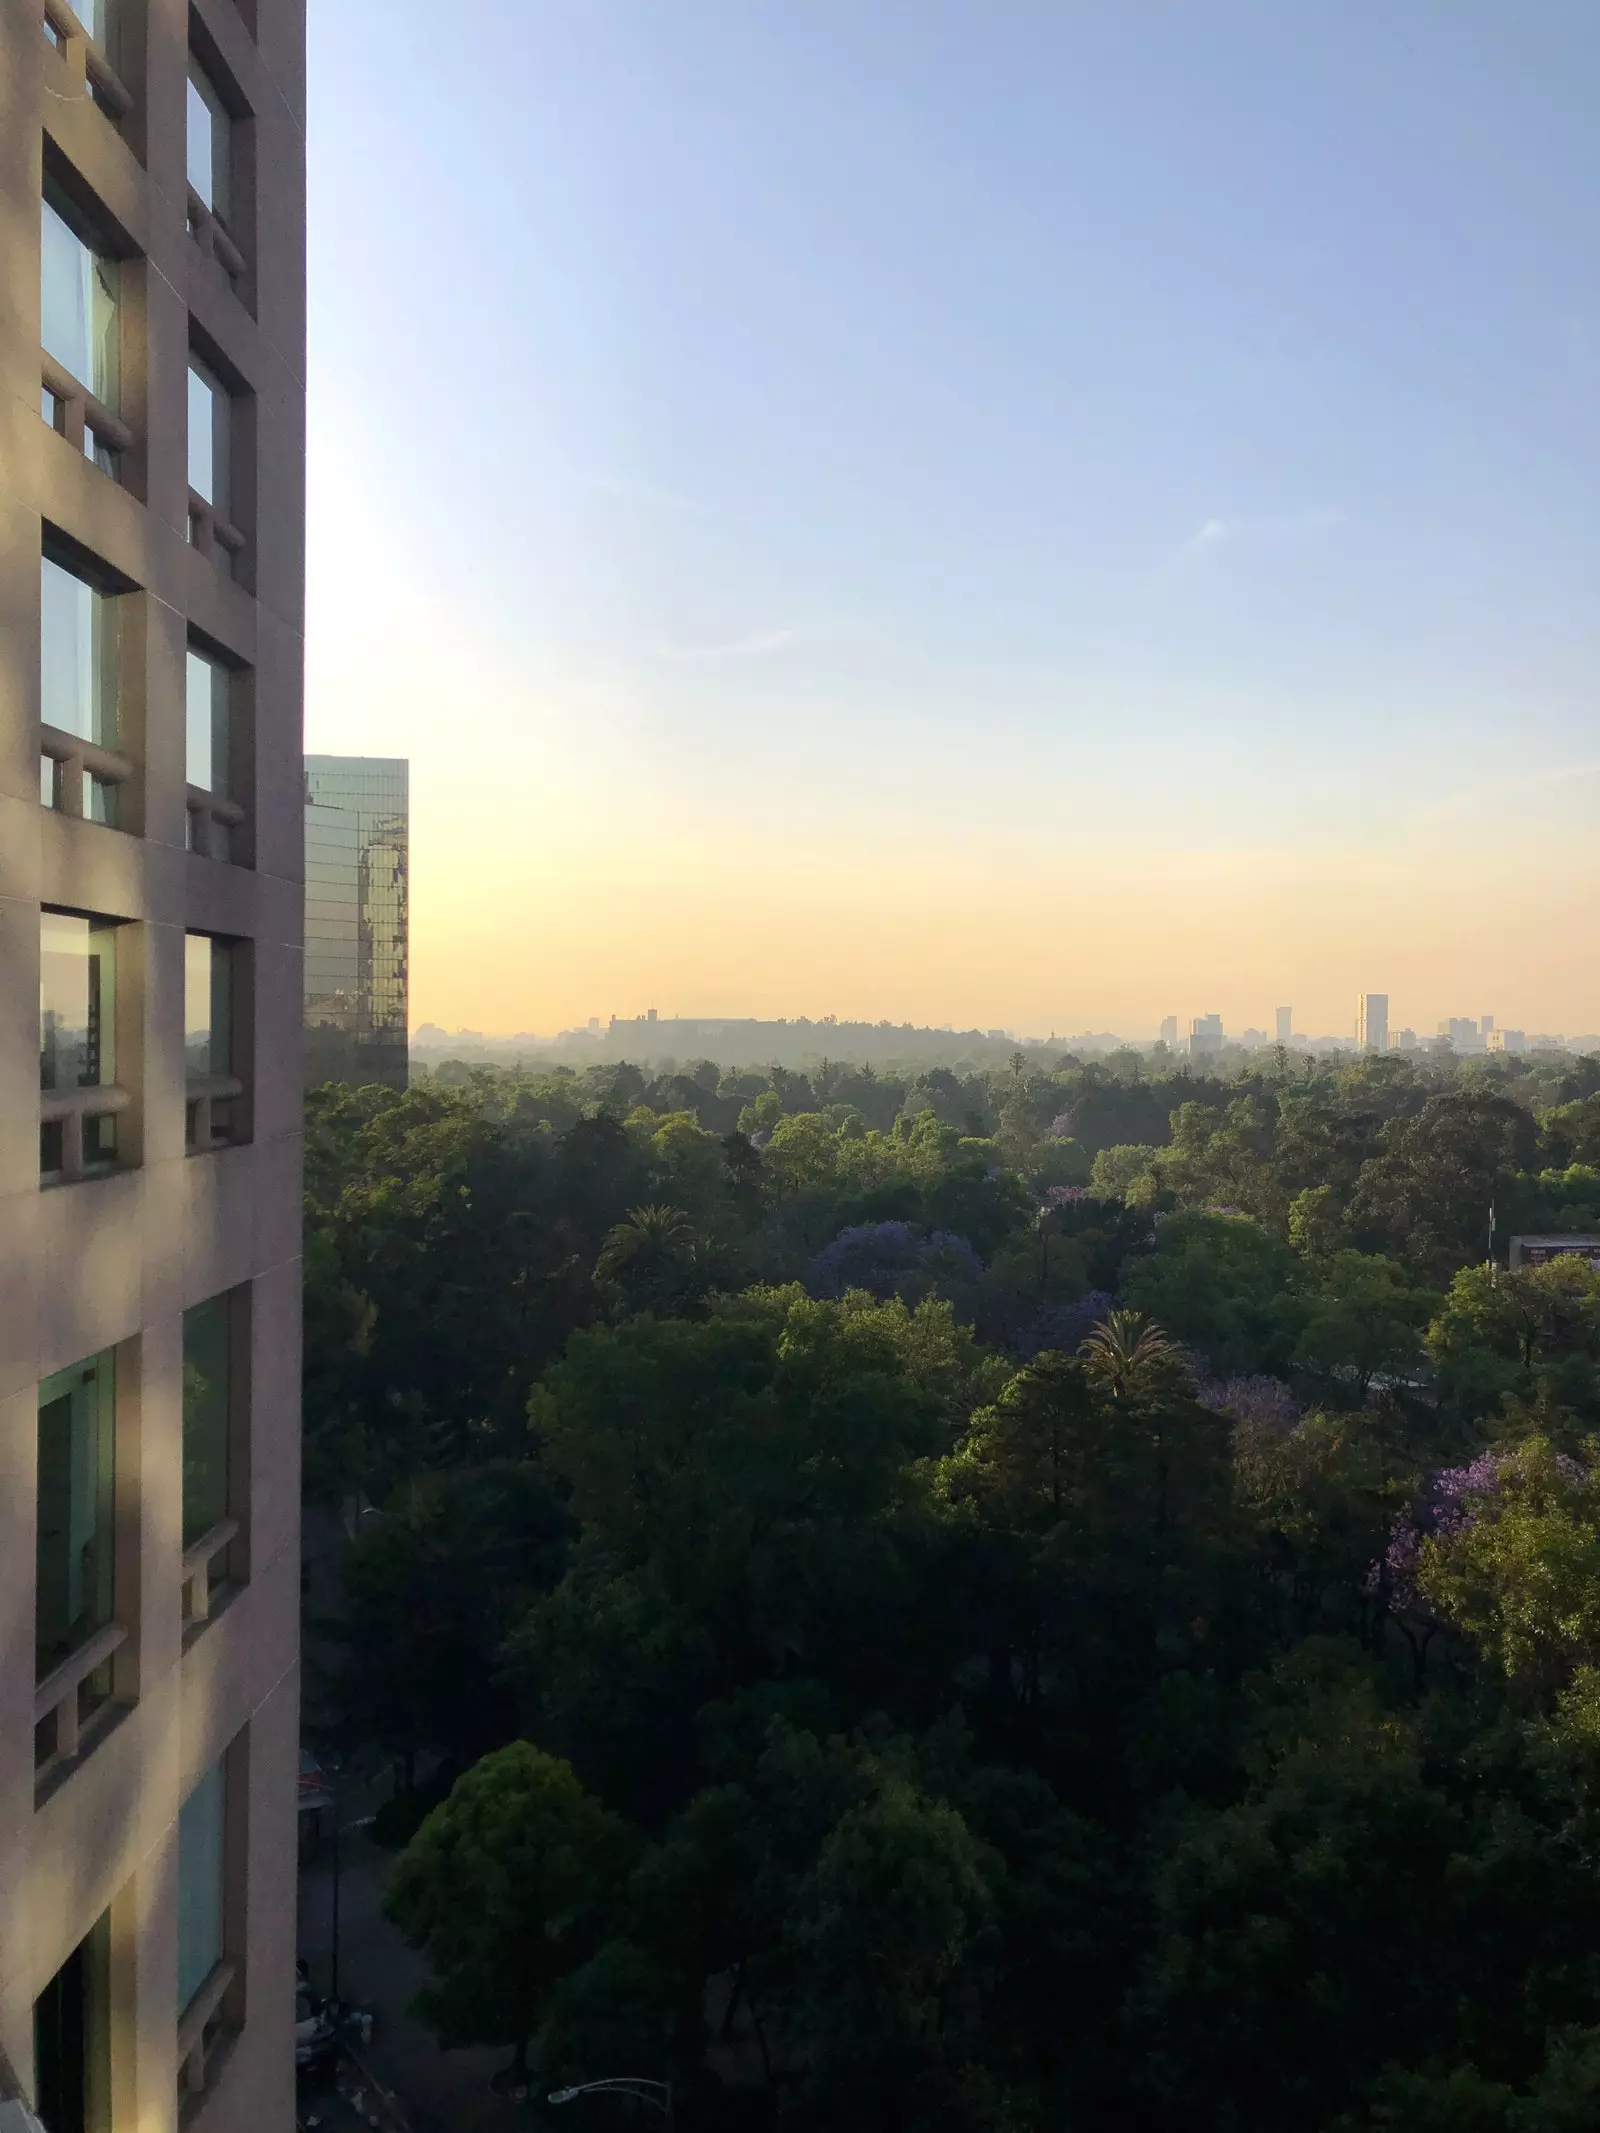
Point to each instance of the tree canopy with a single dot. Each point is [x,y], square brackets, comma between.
[998,1600]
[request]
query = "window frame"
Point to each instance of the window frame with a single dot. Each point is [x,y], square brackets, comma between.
[84,1104]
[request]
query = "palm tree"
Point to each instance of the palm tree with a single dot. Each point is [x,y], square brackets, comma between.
[649,1254]
[1128,1355]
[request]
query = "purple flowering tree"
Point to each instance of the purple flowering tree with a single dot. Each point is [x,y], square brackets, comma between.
[1063,1327]
[1452,1499]
[892,1259]
[1262,1409]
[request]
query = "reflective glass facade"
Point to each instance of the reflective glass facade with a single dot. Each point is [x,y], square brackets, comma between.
[356,970]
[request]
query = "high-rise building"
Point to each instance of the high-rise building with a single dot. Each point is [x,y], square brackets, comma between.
[357,919]
[1372,1022]
[1205,1035]
[1485,1025]
[152,229]
[1169,1031]
[1283,1017]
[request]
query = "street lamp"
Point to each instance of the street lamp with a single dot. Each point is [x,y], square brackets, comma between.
[658,2094]
[340,1830]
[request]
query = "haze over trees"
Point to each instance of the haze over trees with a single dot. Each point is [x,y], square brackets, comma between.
[1049,1597]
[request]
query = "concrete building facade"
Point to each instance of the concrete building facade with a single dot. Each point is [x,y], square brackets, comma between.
[1372,1022]
[357,920]
[152,260]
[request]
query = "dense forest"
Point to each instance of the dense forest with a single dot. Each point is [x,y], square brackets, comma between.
[1044,1598]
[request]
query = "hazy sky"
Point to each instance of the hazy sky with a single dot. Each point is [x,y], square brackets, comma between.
[1036,515]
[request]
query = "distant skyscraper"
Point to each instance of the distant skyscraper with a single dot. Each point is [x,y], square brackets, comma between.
[357,919]
[1205,1035]
[1485,1024]
[1284,1017]
[1372,1022]
[1169,1031]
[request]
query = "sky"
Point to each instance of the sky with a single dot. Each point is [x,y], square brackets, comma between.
[1010,513]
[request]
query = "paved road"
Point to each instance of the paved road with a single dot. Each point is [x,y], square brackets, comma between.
[438,2092]
[347,2096]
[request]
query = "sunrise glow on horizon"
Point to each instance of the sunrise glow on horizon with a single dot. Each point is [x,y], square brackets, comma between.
[826,551]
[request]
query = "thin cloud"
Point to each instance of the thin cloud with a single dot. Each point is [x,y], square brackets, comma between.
[757,646]
[1219,532]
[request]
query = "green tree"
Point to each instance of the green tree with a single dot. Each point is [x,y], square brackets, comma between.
[886,1943]
[1364,1319]
[1526,1334]
[1519,1572]
[431,1588]
[509,1887]
[1225,1284]
[653,1259]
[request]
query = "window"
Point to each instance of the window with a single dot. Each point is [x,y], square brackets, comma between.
[208,437]
[208,2000]
[72,2039]
[205,1004]
[210,144]
[75,1573]
[207,701]
[78,685]
[79,1098]
[207,1387]
[207,1036]
[210,466]
[201,1822]
[208,755]
[78,327]
[95,24]
[99,18]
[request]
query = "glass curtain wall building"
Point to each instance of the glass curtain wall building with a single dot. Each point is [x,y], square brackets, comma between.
[357,919]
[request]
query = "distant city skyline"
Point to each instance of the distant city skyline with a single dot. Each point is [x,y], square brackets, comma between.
[1131,557]
[1193,1035]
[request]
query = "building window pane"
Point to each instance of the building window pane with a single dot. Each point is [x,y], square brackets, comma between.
[77,1019]
[356,919]
[206,1003]
[200,1848]
[76,1492]
[77,1028]
[72,2039]
[210,144]
[77,656]
[208,437]
[205,1419]
[99,19]
[78,291]
[207,693]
